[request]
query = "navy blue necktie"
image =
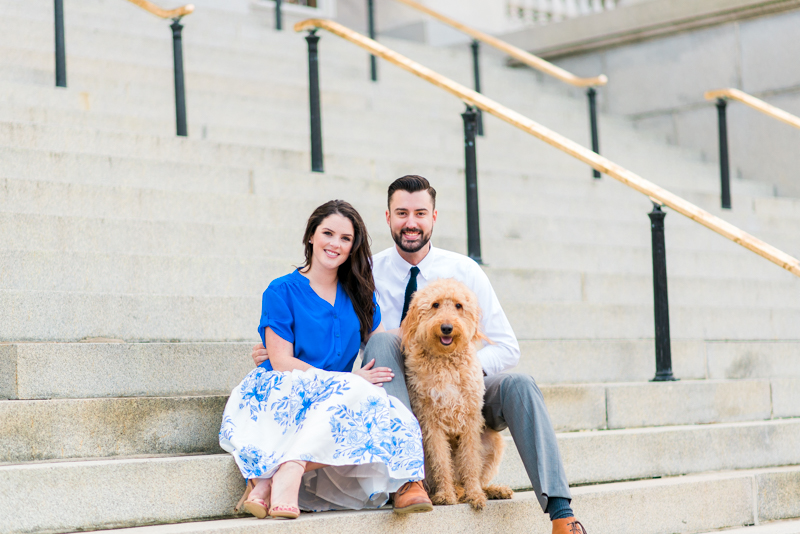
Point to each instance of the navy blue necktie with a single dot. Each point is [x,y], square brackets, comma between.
[411,288]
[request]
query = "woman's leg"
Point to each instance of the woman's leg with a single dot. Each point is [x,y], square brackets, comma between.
[286,483]
[262,490]
[311,466]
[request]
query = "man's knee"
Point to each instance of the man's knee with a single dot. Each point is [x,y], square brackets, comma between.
[520,387]
[384,348]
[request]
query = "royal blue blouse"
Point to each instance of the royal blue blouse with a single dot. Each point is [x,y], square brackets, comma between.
[324,336]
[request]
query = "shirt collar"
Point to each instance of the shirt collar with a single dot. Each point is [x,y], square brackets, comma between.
[404,268]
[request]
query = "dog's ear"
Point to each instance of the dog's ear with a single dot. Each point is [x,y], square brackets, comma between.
[410,324]
[480,336]
[475,316]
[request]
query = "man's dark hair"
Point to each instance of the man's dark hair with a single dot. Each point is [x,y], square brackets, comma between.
[412,183]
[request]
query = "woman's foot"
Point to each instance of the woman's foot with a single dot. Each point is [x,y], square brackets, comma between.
[257,502]
[285,490]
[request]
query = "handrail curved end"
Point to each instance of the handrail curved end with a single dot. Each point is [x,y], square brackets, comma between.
[716,93]
[176,13]
[600,80]
[308,24]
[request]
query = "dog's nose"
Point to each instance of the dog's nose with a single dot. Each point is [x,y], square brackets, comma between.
[447,329]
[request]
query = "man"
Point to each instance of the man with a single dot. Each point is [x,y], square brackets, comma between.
[512,401]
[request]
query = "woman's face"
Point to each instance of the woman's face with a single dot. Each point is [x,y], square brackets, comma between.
[332,242]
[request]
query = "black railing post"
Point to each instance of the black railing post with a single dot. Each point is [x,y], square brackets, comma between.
[373,61]
[313,94]
[476,74]
[61,54]
[592,94]
[660,299]
[724,168]
[471,166]
[180,89]
[278,15]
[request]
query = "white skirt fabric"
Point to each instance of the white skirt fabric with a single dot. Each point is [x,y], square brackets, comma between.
[371,442]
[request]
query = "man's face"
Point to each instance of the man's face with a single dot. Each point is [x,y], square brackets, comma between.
[411,217]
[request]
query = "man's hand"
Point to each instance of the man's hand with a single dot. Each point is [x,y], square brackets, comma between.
[259,354]
[374,376]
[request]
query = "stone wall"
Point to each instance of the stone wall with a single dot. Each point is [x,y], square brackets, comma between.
[658,74]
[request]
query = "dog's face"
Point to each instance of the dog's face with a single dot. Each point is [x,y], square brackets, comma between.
[444,316]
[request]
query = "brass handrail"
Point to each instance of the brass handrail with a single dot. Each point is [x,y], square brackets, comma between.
[560,142]
[755,103]
[164,13]
[517,53]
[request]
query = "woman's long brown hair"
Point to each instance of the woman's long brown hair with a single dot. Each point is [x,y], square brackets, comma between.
[355,274]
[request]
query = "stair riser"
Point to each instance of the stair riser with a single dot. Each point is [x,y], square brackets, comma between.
[209,486]
[95,428]
[245,277]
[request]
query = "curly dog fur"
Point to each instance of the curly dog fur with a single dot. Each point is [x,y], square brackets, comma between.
[445,384]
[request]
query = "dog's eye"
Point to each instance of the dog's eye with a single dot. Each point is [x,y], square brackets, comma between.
[458,306]
[435,304]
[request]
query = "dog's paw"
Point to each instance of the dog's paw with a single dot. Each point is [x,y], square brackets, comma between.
[444,497]
[476,499]
[496,491]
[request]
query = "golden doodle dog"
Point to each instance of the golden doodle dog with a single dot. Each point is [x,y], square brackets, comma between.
[445,384]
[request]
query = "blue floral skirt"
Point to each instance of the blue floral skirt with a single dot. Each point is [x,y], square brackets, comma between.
[371,442]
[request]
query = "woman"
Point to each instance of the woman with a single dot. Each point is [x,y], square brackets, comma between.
[311,434]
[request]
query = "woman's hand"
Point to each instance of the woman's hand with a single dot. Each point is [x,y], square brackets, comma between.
[259,354]
[376,376]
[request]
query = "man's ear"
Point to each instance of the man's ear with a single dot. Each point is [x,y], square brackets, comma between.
[387,219]
[435,214]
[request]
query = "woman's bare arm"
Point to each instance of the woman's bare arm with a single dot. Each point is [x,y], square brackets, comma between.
[281,353]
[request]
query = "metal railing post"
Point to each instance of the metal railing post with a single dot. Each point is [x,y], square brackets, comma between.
[476,74]
[61,54]
[180,89]
[724,168]
[660,299]
[471,167]
[592,94]
[373,61]
[317,164]
[278,15]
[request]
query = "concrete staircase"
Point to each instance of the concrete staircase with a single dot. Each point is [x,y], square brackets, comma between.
[132,264]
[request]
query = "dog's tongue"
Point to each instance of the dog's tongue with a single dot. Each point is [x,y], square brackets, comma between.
[447,340]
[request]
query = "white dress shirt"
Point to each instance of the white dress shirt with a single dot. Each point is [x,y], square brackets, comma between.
[392,273]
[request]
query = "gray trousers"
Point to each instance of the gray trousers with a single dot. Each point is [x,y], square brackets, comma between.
[512,401]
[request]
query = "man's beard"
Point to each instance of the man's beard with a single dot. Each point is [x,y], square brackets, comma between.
[410,247]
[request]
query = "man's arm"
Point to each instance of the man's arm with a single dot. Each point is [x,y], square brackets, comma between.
[503,353]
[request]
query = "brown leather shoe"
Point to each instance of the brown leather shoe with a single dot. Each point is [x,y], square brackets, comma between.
[568,525]
[412,498]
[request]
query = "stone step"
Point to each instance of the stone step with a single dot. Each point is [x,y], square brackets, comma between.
[589,321]
[558,220]
[629,360]
[534,191]
[146,41]
[190,275]
[230,318]
[112,426]
[773,527]
[57,429]
[114,368]
[167,149]
[34,232]
[207,487]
